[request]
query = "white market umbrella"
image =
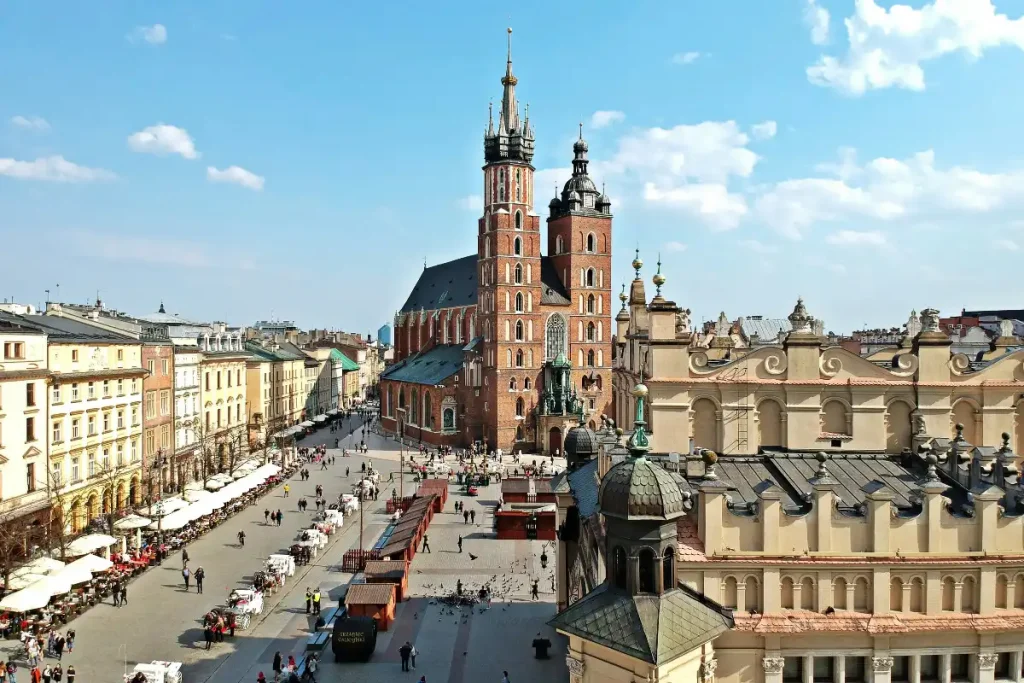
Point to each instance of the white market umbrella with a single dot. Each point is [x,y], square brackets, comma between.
[93,563]
[223,478]
[72,575]
[86,544]
[28,599]
[21,581]
[132,522]
[54,584]
[40,565]
[172,522]
[196,495]
[214,485]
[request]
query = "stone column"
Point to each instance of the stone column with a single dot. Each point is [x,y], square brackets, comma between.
[575,669]
[1016,661]
[945,668]
[881,669]
[986,667]
[915,669]
[808,672]
[839,670]
[773,664]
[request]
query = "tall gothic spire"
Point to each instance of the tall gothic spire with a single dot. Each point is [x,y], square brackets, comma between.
[513,139]
[509,120]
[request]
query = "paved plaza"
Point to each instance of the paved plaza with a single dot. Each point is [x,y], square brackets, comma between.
[163,622]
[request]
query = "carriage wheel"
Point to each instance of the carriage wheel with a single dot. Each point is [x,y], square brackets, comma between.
[245,621]
[177,677]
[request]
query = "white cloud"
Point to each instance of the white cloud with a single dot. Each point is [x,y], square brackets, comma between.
[759,247]
[853,238]
[709,151]
[602,119]
[817,18]
[30,122]
[886,189]
[712,202]
[1007,245]
[154,35]
[473,202]
[237,176]
[675,246]
[164,139]
[887,47]
[686,57]
[764,130]
[54,169]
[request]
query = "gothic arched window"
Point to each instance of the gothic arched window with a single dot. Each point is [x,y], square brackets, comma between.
[668,580]
[512,384]
[591,332]
[619,567]
[517,247]
[558,245]
[519,302]
[519,274]
[590,303]
[590,358]
[428,412]
[519,358]
[519,214]
[555,342]
[519,330]
[591,242]
[414,406]
[526,384]
[520,407]
[590,277]
[645,581]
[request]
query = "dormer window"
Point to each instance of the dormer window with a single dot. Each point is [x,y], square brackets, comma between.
[588,201]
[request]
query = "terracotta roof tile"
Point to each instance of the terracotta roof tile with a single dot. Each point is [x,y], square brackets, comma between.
[691,548]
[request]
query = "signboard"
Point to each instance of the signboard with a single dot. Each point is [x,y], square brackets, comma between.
[673,458]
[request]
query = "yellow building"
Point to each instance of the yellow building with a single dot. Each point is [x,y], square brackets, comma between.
[94,428]
[279,387]
[864,520]
[221,433]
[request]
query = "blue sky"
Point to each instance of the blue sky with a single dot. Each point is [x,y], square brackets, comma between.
[301,160]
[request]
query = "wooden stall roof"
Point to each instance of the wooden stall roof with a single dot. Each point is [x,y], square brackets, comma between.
[405,531]
[385,569]
[369,594]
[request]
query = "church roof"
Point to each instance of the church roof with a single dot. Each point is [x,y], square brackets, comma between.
[652,628]
[446,285]
[554,291]
[430,367]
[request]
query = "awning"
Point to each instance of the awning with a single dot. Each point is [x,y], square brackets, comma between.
[28,599]
[86,544]
[320,418]
[132,522]
[332,412]
[307,423]
[214,485]
[93,563]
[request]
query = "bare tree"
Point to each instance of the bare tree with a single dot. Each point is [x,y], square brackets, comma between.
[110,476]
[206,444]
[58,526]
[235,441]
[16,536]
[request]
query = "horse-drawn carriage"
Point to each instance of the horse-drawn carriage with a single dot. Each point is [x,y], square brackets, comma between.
[155,672]
[227,619]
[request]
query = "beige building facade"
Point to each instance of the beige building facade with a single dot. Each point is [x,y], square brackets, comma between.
[24,379]
[864,521]
[222,434]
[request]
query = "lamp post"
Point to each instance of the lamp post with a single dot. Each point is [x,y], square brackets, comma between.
[159,463]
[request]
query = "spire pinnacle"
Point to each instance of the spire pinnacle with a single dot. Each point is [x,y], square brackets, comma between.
[581,130]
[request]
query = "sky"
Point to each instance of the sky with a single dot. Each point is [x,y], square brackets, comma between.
[301,161]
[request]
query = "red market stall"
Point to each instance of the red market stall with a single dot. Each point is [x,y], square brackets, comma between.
[376,600]
[389,571]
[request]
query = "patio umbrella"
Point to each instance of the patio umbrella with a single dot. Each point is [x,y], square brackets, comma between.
[40,565]
[86,544]
[54,584]
[94,563]
[26,599]
[72,575]
[196,495]
[214,485]
[21,581]
[132,522]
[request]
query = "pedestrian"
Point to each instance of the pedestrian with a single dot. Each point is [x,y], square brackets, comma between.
[465,515]
[277,666]
[71,648]
[37,676]
[472,516]
[535,590]
[71,674]
[185,574]
[287,490]
[47,673]
[12,670]
[184,558]
[58,673]
[346,471]
[208,636]
[200,575]
[426,544]
[404,653]
[124,594]
[460,544]
[504,677]
[311,666]
[261,678]
[116,595]
[266,520]
[412,655]
[280,517]
[316,601]
[59,647]
[309,601]
[323,466]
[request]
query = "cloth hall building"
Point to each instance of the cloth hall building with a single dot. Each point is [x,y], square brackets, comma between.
[506,347]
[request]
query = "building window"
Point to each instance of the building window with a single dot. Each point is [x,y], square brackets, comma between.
[164,366]
[120,354]
[135,451]
[75,428]
[92,425]
[120,387]
[165,402]
[207,379]
[150,404]
[92,465]
[519,274]
[519,330]
[74,355]
[590,277]
[519,214]
[30,477]
[76,474]
[591,242]
[591,332]
[645,580]
[56,432]
[793,670]
[519,358]
[590,303]
[590,358]
[120,419]
[512,384]
[106,388]
[526,384]
[14,350]
[555,341]
[106,422]
[91,394]
[150,365]
[30,429]
[120,455]
[74,392]
[517,246]
[519,302]
[30,394]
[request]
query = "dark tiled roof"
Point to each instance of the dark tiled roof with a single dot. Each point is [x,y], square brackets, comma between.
[652,628]
[854,472]
[584,486]
[385,569]
[445,285]
[67,329]
[370,594]
[554,291]
[430,367]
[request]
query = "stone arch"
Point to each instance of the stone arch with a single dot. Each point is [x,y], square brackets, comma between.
[704,419]
[965,411]
[1002,591]
[769,423]
[646,571]
[968,592]
[835,416]
[948,592]
[896,595]
[93,507]
[108,500]
[120,501]
[133,490]
[839,593]
[751,594]
[77,513]
[861,595]
[917,595]
[898,426]
[788,591]
[808,596]
[730,592]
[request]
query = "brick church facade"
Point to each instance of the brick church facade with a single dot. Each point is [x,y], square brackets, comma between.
[508,348]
